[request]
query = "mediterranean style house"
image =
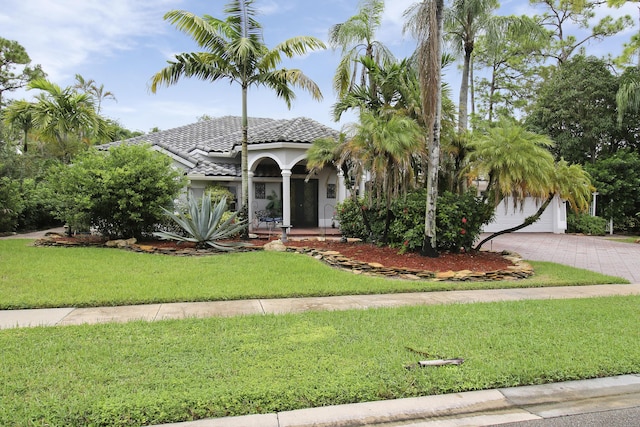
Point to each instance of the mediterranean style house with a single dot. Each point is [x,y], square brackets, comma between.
[209,152]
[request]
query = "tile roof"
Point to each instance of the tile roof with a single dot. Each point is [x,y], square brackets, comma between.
[224,134]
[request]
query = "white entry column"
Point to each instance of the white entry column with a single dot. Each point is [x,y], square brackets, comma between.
[286,197]
[341,191]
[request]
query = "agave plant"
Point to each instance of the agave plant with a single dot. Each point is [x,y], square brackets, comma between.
[205,226]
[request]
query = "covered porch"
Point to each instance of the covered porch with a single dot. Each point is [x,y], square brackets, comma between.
[282,194]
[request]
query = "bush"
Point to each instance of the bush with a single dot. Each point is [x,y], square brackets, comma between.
[586,224]
[459,220]
[349,214]
[121,193]
[11,204]
[39,203]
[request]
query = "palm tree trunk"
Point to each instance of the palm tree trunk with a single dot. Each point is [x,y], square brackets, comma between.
[431,79]
[244,210]
[463,116]
[528,221]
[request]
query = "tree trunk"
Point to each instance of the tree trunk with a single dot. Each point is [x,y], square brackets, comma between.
[528,221]
[244,210]
[463,119]
[432,109]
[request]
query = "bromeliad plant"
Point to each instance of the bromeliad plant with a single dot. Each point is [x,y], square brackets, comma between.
[205,226]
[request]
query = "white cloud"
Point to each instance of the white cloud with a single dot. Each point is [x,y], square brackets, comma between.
[61,35]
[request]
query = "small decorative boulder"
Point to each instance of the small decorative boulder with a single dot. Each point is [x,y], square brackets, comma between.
[275,246]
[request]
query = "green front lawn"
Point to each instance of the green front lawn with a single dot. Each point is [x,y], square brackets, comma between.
[35,277]
[143,373]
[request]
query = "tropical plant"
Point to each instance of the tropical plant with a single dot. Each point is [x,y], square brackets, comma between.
[355,37]
[426,21]
[464,21]
[205,225]
[97,92]
[518,165]
[235,51]
[65,119]
[274,206]
[19,115]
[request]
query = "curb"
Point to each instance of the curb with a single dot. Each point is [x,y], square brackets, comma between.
[478,408]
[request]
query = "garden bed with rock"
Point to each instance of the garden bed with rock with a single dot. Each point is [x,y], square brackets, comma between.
[359,257]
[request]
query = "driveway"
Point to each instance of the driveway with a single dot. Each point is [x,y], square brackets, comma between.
[588,252]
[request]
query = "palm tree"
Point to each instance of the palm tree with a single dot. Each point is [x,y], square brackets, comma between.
[234,50]
[463,22]
[426,21]
[388,145]
[66,118]
[518,165]
[355,37]
[91,87]
[19,115]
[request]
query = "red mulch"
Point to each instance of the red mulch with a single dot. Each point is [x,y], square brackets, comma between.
[390,257]
[366,252]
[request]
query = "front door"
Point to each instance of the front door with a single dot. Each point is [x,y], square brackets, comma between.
[304,203]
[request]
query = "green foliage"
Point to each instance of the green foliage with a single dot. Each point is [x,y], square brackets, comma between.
[11,204]
[274,207]
[121,193]
[349,214]
[205,225]
[39,203]
[576,107]
[459,220]
[586,224]
[617,179]
[217,192]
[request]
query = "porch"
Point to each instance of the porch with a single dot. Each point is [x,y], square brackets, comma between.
[271,233]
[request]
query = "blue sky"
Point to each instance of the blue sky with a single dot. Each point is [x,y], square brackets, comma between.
[122,43]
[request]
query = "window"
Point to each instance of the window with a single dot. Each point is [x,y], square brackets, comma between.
[260,190]
[331,191]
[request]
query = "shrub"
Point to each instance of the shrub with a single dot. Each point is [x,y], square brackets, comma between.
[218,192]
[459,220]
[11,204]
[121,193]
[39,203]
[586,224]
[349,214]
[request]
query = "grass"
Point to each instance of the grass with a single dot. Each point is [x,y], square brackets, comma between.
[38,277]
[628,239]
[169,371]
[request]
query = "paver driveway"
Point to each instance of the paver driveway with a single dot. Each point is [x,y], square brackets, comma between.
[591,253]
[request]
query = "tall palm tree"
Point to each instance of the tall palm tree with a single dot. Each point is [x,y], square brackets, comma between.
[234,50]
[426,20]
[519,165]
[355,38]
[463,22]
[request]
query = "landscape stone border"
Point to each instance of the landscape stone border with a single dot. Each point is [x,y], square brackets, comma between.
[519,270]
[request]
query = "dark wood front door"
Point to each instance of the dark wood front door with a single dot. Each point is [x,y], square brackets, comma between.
[304,203]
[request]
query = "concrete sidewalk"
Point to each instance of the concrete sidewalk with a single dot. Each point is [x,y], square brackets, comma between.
[182,310]
[475,408]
